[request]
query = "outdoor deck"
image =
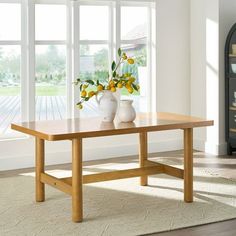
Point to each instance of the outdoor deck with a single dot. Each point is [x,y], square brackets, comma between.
[47,108]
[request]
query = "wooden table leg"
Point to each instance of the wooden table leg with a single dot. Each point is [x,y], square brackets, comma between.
[77,184]
[39,168]
[188,165]
[143,153]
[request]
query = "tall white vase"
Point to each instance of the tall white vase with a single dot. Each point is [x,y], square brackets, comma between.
[126,111]
[107,105]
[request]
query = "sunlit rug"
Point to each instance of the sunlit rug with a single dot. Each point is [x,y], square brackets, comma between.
[120,207]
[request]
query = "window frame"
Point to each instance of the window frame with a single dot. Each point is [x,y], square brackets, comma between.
[140,42]
[114,42]
[65,43]
[73,42]
[21,44]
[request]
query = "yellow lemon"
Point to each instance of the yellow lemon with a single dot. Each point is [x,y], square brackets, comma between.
[120,85]
[130,61]
[113,89]
[129,82]
[108,87]
[99,87]
[130,90]
[80,106]
[132,79]
[91,93]
[111,83]
[83,93]
[127,86]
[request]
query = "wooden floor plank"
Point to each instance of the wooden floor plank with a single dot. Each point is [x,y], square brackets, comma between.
[225,228]
[10,109]
[59,106]
[56,109]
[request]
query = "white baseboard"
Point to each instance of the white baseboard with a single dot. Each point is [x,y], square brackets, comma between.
[98,153]
[211,148]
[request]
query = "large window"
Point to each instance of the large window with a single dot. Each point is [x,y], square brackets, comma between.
[46,44]
[10,63]
[94,47]
[50,63]
[134,39]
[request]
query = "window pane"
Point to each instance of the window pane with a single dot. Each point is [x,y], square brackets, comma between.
[93,64]
[50,82]
[140,71]
[94,22]
[134,23]
[94,61]
[10,21]
[50,22]
[9,89]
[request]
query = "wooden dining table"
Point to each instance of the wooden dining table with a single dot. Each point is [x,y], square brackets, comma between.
[78,129]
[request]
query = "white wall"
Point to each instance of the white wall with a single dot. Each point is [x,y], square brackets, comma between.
[211,21]
[173,56]
[173,81]
[205,82]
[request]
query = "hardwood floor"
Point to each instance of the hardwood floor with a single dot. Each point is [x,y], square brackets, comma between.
[225,228]
[224,166]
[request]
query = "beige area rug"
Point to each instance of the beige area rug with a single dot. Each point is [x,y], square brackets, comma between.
[120,207]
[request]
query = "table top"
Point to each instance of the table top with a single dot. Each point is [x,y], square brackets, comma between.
[93,127]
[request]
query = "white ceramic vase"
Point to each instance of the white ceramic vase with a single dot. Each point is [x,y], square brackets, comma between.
[107,105]
[126,111]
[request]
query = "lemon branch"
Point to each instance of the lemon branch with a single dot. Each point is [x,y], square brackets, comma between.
[115,81]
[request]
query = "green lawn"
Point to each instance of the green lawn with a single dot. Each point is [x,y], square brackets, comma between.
[45,91]
[40,91]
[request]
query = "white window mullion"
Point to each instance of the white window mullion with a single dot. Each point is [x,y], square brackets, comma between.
[31,61]
[50,42]
[10,42]
[24,84]
[51,2]
[118,26]
[69,76]
[154,57]
[149,64]
[111,36]
[10,1]
[86,42]
[76,57]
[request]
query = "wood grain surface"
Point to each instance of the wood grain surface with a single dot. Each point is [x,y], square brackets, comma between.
[93,127]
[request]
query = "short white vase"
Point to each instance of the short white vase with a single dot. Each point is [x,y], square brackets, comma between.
[126,111]
[107,105]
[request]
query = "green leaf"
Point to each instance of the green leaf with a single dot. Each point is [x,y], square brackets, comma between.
[80,87]
[78,80]
[119,52]
[89,81]
[113,65]
[98,82]
[114,74]
[135,87]
[86,99]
